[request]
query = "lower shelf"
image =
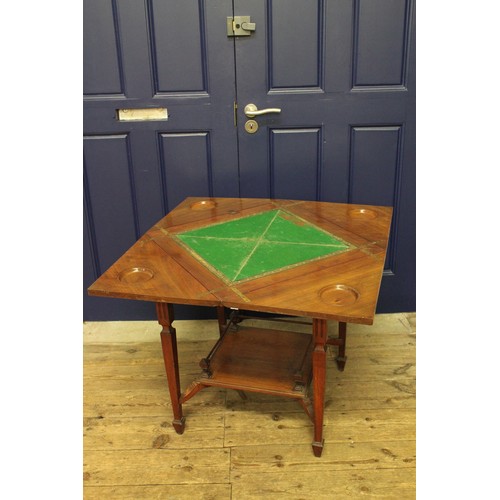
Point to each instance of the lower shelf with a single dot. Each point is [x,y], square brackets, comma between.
[266,361]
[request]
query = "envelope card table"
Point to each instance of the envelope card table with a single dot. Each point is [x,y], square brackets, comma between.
[318,260]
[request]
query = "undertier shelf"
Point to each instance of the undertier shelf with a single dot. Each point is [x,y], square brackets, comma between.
[261,360]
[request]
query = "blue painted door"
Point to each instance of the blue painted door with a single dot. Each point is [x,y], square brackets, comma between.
[341,71]
[152,54]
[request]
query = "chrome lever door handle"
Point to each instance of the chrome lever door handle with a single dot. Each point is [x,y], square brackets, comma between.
[251,110]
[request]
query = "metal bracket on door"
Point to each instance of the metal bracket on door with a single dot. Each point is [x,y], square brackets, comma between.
[239,26]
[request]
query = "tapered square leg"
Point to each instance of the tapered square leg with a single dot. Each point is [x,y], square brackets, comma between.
[319,377]
[318,448]
[340,342]
[165,313]
[341,358]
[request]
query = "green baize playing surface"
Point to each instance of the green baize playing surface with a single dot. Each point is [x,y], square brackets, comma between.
[259,244]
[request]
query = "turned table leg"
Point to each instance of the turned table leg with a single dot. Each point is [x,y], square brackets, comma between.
[165,313]
[319,372]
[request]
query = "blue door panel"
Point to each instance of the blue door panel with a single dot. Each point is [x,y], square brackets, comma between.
[168,22]
[187,162]
[374,173]
[101,62]
[380,35]
[297,29]
[133,33]
[375,161]
[147,179]
[110,195]
[296,153]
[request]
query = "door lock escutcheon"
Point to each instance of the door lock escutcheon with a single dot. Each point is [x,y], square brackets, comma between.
[239,26]
[251,126]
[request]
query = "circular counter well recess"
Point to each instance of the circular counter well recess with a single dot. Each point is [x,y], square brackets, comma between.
[203,205]
[136,275]
[338,295]
[362,213]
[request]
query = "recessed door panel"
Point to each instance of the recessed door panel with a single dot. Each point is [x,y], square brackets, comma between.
[110,194]
[101,58]
[295,163]
[375,161]
[179,23]
[295,51]
[186,162]
[381,34]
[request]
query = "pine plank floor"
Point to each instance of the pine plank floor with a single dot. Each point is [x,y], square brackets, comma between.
[253,449]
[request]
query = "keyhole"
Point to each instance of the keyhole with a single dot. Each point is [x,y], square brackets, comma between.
[251,126]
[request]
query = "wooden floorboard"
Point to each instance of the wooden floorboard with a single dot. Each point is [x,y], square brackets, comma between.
[258,448]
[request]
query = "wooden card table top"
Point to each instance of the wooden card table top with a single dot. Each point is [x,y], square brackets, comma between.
[300,258]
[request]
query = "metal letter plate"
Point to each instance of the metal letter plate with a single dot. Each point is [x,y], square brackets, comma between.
[147,114]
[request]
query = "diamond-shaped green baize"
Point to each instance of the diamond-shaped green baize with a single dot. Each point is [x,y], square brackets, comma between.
[260,244]
[294,230]
[225,255]
[245,227]
[270,256]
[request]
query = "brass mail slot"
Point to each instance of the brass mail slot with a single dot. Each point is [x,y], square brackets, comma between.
[146,114]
